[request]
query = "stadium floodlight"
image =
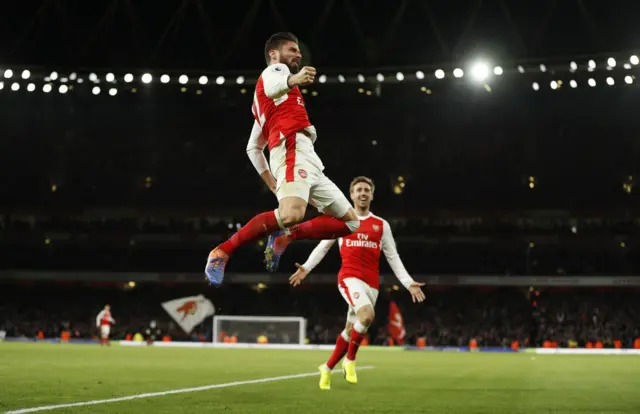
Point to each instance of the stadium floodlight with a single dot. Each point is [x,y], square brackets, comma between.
[592,82]
[53,76]
[26,74]
[380,77]
[543,68]
[479,71]
[520,69]
[165,79]
[203,80]
[554,85]
[573,83]
[31,87]
[46,88]
[439,73]
[147,78]
[591,64]
[281,330]
[610,81]
[240,80]
[110,77]
[628,79]
[63,89]
[95,90]
[73,76]
[400,76]
[128,78]
[627,66]
[420,74]
[1,86]
[498,71]
[183,79]
[92,77]
[458,73]
[322,78]
[220,80]
[535,86]
[113,91]
[15,86]
[360,78]
[573,66]
[8,73]
[341,79]
[634,60]
[611,62]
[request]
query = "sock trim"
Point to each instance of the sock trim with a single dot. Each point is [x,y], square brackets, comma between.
[359,327]
[278,219]
[345,335]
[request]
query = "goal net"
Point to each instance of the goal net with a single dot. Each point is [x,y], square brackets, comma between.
[277,329]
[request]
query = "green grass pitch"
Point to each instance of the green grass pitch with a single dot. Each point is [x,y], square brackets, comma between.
[33,375]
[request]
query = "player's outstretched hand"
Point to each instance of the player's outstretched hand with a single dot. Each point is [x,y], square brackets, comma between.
[298,276]
[417,295]
[306,76]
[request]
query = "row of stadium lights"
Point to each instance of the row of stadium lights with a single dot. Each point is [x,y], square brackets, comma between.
[479,71]
[591,82]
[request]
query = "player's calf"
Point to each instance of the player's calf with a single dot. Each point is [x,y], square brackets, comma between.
[365,319]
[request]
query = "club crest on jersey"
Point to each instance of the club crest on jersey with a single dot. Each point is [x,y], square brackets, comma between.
[376,227]
[302,173]
[356,295]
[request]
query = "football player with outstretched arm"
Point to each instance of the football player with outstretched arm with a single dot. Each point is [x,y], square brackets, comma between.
[359,277]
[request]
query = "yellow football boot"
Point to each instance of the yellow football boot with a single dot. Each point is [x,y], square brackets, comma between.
[325,377]
[349,368]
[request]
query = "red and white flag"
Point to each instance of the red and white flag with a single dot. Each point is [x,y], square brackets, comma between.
[396,324]
[190,311]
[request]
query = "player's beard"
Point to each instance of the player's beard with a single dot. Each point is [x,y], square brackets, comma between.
[294,66]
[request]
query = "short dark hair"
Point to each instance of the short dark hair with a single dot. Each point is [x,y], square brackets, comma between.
[276,41]
[362,179]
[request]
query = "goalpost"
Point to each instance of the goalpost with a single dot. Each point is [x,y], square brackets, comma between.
[277,329]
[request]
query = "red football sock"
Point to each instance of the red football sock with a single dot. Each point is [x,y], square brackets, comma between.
[356,338]
[338,352]
[320,228]
[259,226]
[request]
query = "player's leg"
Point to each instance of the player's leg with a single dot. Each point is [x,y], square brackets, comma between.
[339,220]
[363,298]
[342,344]
[104,334]
[292,191]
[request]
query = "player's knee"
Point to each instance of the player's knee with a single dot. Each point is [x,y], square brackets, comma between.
[351,220]
[292,215]
[366,315]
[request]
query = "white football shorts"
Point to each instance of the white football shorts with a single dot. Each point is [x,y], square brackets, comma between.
[104,331]
[357,293]
[299,173]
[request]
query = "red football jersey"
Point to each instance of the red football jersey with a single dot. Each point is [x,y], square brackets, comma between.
[360,252]
[281,116]
[105,318]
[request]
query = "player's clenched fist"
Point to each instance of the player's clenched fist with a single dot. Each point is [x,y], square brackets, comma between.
[306,76]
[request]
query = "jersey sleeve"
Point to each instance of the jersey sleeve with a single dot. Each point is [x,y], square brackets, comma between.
[391,253]
[318,254]
[255,149]
[274,79]
[99,317]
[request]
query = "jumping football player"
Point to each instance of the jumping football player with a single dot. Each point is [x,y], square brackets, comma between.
[294,172]
[359,277]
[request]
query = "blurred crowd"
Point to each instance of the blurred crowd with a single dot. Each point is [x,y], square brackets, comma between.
[449,317]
